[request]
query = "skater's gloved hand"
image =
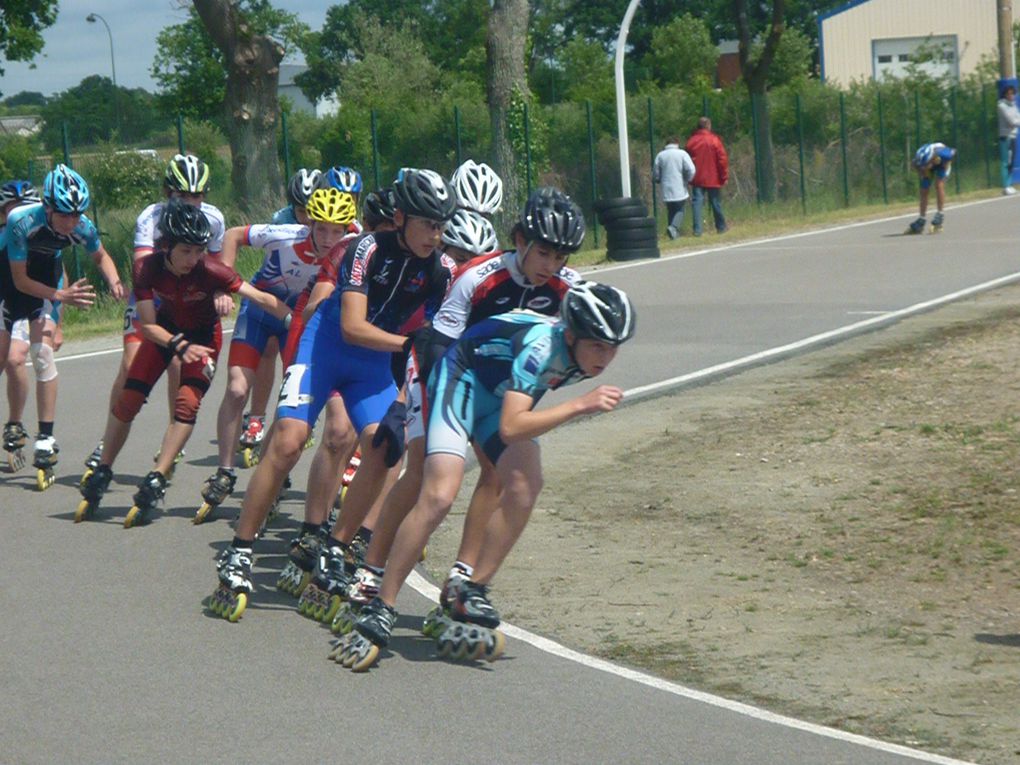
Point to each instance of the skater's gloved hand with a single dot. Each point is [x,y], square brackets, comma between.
[391,432]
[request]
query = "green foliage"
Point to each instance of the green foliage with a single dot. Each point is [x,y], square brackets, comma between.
[30,99]
[94,111]
[122,179]
[15,156]
[587,72]
[21,26]
[682,53]
[792,61]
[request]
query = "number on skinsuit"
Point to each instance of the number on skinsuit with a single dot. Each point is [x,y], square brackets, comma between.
[290,386]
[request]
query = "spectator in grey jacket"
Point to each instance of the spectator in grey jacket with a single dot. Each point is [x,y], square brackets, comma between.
[674,170]
[1009,121]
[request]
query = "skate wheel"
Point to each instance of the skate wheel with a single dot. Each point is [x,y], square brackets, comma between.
[203,513]
[84,511]
[249,457]
[135,517]
[424,554]
[235,613]
[85,476]
[309,443]
[364,660]
[44,479]
[331,610]
[494,650]
[15,460]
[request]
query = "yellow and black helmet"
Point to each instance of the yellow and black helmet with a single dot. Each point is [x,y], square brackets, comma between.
[187,174]
[332,206]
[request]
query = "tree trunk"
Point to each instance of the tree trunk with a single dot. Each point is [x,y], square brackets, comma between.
[507,84]
[252,107]
[756,79]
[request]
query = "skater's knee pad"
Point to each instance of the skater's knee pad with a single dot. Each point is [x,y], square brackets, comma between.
[43,362]
[189,398]
[129,403]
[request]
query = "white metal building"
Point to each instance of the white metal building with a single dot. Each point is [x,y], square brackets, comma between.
[868,39]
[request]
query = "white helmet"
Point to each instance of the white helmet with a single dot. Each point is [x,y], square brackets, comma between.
[478,187]
[470,231]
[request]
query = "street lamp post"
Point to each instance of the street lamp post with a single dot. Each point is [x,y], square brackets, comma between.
[92,18]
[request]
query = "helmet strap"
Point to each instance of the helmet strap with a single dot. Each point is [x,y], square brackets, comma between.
[523,256]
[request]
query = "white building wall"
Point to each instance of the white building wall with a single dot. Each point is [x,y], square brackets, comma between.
[847,37]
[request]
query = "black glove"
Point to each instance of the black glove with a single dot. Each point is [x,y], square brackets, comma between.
[391,430]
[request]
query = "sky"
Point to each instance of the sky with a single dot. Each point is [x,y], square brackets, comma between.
[76,49]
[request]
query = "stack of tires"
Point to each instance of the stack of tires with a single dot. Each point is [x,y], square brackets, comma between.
[630,233]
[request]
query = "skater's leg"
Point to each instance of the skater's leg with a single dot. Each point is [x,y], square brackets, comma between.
[923,207]
[126,360]
[326,472]
[173,381]
[484,500]
[265,376]
[440,484]
[396,505]
[174,439]
[17,379]
[279,456]
[940,193]
[149,362]
[41,352]
[228,419]
[364,489]
[520,471]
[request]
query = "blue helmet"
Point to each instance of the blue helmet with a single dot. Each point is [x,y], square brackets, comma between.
[65,191]
[19,192]
[342,179]
[924,155]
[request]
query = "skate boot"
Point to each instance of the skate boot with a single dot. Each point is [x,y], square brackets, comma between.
[303,554]
[323,595]
[92,490]
[92,462]
[917,227]
[438,619]
[364,587]
[150,492]
[15,438]
[936,223]
[250,443]
[359,648]
[472,635]
[217,488]
[44,459]
[356,552]
[234,570]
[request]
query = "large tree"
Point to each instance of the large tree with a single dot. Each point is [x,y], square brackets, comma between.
[21,26]
[507,86]
[251,59]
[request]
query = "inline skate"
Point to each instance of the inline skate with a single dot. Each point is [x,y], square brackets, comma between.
[438,619]
[150,491]
[321,598]
[173,468]
[917,227]
[249,445]
[92,462]
[362,590]
[359,648]
[217,488]
[303,554]
[44,460]
[472,633]
[15,438]
[93,487]
[936,223]
[233,568]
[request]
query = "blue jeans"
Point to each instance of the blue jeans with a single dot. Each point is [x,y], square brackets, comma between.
[714,199]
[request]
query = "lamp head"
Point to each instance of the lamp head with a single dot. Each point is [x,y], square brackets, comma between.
[91,18]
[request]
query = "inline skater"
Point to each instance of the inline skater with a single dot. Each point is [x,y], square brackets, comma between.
[186,178]
[533,276]
[29,287]
[478,187]
[293,257]
[933,163]
[346,347]
[486,388]
[299,189]
[186,326]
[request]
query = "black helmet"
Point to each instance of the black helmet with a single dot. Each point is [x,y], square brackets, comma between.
[424,194]
[187,174]
[599,312]
[301,185]
[552,216]
[379,206]
[183,223]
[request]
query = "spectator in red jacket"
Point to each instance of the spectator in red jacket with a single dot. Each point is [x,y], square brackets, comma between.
[713,169]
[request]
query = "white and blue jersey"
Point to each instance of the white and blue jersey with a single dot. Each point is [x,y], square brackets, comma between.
[520,351]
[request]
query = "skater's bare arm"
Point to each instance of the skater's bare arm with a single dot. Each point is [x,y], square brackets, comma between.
[519,422]
[107,268]
[359,331]
[79,293]
[320,292]
[233,238]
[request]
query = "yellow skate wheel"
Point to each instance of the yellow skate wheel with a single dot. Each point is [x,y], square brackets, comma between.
[203,513]
[424,554]
[44,479]
[494,651]
[133,516]
[83,511]
[85,476]
[249,457]
[363,663]
[235,613]
[309,443]
[329,612]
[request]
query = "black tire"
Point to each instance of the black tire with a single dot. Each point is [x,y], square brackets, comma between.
[608,203]
[629,239]
[633,254]
[619,213]
[632,224]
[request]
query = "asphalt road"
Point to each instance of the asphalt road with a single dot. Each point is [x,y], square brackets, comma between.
[108,656]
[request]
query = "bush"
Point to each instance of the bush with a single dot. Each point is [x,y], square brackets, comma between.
[122,179]
[15,156]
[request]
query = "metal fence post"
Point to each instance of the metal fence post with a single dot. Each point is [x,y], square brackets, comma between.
[180,133]
[917,119]
[800,153]
[527,147]
[375,150]
[591,171]
[881,150]
[456,130]
[987,138]
[842,143]
[651,155]
[704,106]
[66,144]
[956,135]
[286,145]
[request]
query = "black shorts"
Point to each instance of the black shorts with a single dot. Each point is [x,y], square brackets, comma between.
[15,305]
